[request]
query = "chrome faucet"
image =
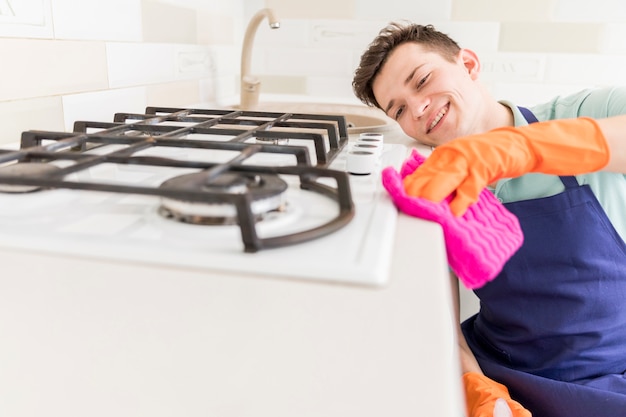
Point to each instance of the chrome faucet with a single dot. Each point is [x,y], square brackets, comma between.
[250,84]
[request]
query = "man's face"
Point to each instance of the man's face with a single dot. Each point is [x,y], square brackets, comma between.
[433,99]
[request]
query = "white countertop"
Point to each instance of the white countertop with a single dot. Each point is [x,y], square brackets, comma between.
[84,337]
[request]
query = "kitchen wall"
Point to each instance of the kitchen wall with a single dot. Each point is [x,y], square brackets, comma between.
[64,60]
[531,50]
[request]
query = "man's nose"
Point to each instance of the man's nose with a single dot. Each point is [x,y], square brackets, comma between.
[417,106]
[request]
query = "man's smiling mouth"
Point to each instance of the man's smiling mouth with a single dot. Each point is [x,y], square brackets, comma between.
[437,119]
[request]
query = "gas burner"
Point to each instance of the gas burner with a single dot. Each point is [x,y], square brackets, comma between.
[265,191]
[34,169]
[236,180]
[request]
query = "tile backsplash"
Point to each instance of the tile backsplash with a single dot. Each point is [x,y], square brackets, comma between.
[64,60]
[530,51]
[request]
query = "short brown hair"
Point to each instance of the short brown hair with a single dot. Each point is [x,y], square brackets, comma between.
[388,39]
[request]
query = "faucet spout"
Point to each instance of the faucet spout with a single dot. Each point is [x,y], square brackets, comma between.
[250,85]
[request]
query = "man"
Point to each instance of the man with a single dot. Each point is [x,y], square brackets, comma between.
[552,326]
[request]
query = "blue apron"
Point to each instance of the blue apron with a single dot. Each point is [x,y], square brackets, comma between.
[552,325]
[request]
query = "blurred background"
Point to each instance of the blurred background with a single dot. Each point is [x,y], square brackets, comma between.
[64,60]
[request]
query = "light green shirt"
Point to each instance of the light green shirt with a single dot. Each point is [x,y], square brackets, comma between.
[609,188]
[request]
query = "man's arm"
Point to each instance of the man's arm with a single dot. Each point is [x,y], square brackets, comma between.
[482,394]
[464,166]
[614,130]
[467,359]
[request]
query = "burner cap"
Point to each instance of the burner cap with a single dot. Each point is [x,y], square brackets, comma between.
[19,169]
[265,191]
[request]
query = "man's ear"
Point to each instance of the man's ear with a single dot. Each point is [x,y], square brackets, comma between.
[470,62]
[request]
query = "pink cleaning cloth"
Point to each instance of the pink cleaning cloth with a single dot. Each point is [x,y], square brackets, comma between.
[479,243]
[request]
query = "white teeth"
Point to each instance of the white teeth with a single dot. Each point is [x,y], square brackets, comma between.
[439,116]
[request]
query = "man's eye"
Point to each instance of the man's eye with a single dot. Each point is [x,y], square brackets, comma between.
[423,81]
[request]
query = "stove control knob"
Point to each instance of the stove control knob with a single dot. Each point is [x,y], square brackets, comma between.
[374,139]
[361,160]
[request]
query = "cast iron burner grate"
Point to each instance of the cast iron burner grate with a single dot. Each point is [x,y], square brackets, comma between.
[71,153]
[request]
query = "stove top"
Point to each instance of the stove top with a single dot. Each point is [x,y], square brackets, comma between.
[236,191]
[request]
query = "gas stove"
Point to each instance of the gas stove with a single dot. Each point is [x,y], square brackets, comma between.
[233,191]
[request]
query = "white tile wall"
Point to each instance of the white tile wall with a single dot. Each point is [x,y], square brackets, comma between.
[112,20]
[512,67]
[415,10]
[39,68]
[583,11]
[480,36]
[175,94]
[193,62]
[292,33]
[590,69]
[26,19]
[540,62]
[17,116]
[69,57]
[307,62]
[81,106]
[505,10]
[163,23]
[333,86]
[344,35]
[64,60]
[318,9]
[131,64]
[612,41]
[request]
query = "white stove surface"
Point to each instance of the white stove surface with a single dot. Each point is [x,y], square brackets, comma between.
[128,228]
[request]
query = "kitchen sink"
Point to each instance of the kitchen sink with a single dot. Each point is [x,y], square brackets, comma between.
[359,118]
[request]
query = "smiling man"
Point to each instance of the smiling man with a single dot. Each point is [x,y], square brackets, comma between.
[552,328]
[438,98]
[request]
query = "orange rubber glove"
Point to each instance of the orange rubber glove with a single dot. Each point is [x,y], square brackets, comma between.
[466,165]
[482,394]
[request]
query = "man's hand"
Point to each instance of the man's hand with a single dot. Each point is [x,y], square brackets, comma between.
[479,243]
[463,167]
[484,398]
